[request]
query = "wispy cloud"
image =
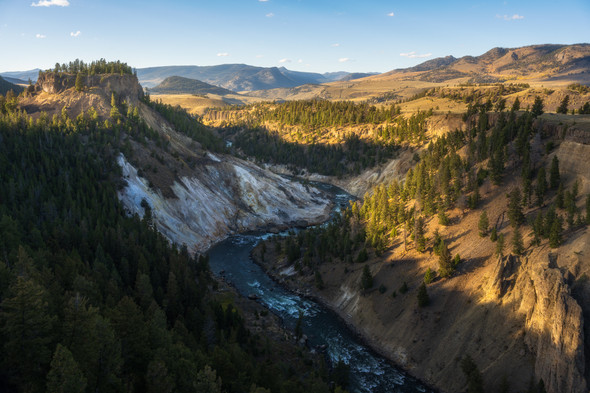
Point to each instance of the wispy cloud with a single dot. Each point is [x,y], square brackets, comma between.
[259,56]
[270,15]
[300,61]
[263,1]
[344,59]
[49,3]
[336,45]
[223,54]
[414,55]
[391,14]
[510,17]
[285,61]
[75,34]
[40,36]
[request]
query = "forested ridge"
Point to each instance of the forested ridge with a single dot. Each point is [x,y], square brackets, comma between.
[189,125]
[92,299]
[448,174]
[309,148]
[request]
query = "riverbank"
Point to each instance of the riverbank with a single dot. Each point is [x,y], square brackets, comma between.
[306,290]
[369,373]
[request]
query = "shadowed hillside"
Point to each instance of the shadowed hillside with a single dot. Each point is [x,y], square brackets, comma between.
[180,85]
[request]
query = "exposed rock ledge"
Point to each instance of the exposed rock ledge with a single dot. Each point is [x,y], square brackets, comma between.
[515,316]
[221,198]
[394,169]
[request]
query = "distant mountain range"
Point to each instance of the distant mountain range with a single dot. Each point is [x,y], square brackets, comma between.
[21,76]
[238,77]
[543,62]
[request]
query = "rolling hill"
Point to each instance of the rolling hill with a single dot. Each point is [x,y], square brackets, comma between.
[5,86]
[181,85]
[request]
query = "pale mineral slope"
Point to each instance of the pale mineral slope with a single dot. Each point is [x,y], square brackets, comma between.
[224,196]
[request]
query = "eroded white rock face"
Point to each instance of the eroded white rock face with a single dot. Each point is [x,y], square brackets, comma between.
[225,196]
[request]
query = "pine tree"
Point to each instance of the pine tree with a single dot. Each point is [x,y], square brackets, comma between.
[158,379]
[428,276]
[444,260]
[497,166]
[472,374]
[541,188]
[105,358]
[516,105]
[115,115]
[27,331]
[500,245]
[423,298]
[208,381]
[494,235]
[515,213]
[366,278]
[560,198]
[79,82]
[562,108]
[483,224]
[554,178]
[65,375]
[419,238]
[555,234]
[443,218]
[404,288]
[537,109]
[517,244]
[538,228]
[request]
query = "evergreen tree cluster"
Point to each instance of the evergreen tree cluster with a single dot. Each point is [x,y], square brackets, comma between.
[442,179]
[95,300]
[352,156]
[188,125]
[322,113]
[96,67]
[312,119]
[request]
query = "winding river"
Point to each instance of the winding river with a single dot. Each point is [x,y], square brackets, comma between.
[369,372]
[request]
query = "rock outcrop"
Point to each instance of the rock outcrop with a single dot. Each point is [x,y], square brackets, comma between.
[554,323]
[123,85]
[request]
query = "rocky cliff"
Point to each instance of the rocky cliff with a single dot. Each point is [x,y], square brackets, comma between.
[124,85]
[520,318]
[55,92]
[224,196]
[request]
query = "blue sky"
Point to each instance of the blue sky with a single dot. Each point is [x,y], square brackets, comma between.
[303,35]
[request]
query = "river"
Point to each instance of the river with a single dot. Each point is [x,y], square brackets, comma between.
[369,372]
